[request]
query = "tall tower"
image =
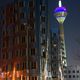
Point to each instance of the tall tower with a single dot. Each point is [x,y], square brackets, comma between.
[60,14]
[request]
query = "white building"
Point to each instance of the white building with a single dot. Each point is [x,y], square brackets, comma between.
[72,73]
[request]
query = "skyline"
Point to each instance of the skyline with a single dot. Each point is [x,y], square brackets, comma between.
[71,27]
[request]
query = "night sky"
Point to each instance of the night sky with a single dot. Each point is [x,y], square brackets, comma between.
[71,27]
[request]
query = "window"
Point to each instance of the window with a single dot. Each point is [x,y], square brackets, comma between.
[69,76]
[34,78]
[33,65]
[3,22]
[32,38]
[6,68]
[13,29]
[65,71]
[21,4]
[4,44]
[31,3]
[63,53]
[43,7]
[43,42]
[73,76]
[23,66]
[17,53]
[13,41]
[23,52]
[22,15]
[9,67]
[44,54]
[65,76]
[77,71]
[18,66]
[7,55]
[77,76]
[31,14]
[43,18]
[23,78]
[73,71]
[33,51]
[69,71]
[22,27]
[23,39]
[16,40]
[43,30]
[3,56]
[12,54]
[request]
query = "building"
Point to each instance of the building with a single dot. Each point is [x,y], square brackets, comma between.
[54,54]
[23,40]
[72,73]
[58,51]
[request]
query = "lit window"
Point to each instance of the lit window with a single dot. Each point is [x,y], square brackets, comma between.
[54,45]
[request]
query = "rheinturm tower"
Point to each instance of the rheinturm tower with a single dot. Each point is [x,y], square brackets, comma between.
[60,13]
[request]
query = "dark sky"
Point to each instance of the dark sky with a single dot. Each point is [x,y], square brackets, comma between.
[71,27]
